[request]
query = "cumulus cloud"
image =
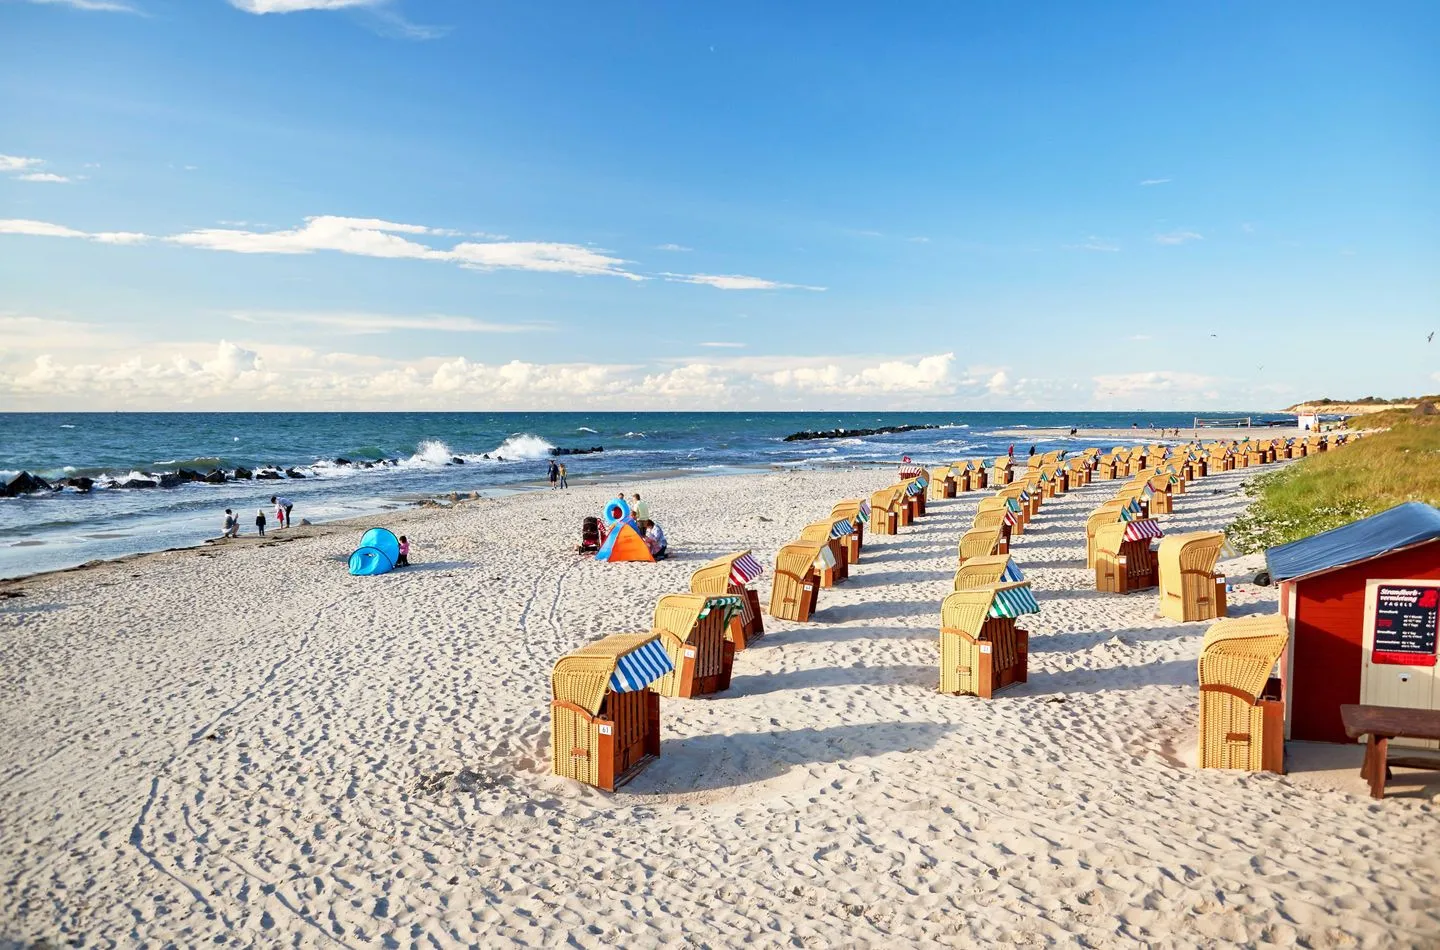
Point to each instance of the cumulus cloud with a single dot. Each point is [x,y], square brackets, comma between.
[929,374]
[16,163]
[735,282]
[1155,388]
[1178,237]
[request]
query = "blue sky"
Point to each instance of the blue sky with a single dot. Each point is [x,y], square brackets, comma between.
[487,205]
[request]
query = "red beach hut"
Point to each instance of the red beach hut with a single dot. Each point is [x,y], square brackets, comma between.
[1323,582]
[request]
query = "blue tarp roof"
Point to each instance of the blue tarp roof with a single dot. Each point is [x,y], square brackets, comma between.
[1400,527]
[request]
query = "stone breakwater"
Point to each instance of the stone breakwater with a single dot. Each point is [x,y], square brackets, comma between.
[853,433]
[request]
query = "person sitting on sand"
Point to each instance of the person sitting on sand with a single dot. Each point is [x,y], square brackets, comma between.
[260,521]
[232,525]
[404,559]
[654,539]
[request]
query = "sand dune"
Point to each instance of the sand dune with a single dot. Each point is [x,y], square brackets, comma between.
[254,748]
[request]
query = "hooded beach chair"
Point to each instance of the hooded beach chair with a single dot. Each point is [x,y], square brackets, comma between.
[995,518]
[984,571]
[981,542]
[831,532]
[857,510]
[1242,707]
[886,511]
[1157,492]
[981,649]
[1190,589]
[979,476]
[732,575]
[796,591]
[695,631]
[1123,559]
[1108,513]
[1003,472]
[604,721]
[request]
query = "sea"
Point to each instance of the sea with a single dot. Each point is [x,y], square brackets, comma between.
[396,459]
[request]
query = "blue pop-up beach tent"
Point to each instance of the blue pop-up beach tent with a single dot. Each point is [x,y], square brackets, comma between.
[378,551]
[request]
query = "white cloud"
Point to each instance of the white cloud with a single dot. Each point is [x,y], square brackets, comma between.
[672,247]
[1178,237]
[1154,181]
[998,384]
[918,240]
[14,163]
[367,237]
[1092,243]
[295,6]
[23,226]
[98,6]
[735,282]
[694,380]
[44,177]
[1156,388]
[929,374]
[728,346]
[370,323]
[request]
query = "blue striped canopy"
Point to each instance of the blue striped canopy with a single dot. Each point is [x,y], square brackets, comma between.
[1011,573]
[864,512]
[841,528]
[915,487]
[1013,603]
[640,667]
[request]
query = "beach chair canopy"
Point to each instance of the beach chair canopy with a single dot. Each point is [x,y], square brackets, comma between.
[623,662]
[1110,537]
[987,570]
[798,557]
[965,611]
[678,614]
[736,569]
[1240,652]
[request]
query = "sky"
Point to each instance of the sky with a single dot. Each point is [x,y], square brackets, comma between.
[492,204]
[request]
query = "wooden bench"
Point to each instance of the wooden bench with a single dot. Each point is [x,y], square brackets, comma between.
[1381,724]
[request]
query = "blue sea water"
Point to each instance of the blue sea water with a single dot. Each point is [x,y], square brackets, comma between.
[46,531]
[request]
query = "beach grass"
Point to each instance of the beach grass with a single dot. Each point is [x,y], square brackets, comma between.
[1343,485]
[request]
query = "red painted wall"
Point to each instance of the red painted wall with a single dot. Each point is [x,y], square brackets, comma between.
[1329,628]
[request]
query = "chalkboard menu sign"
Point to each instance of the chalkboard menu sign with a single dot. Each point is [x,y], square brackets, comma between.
[1407,623]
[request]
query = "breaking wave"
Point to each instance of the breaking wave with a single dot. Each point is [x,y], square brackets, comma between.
[523,447]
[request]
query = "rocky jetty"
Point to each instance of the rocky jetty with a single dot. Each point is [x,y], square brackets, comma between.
[853,433]
[590,451]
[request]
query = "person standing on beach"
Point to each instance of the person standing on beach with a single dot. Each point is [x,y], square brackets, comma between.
[1032,451]
[641,509]
[563,483]
[1011,453]
[554,474]
[285,504]
[260,521]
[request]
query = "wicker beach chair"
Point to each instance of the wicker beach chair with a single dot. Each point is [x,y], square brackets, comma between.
[796,591]
[1242,707]
[732,575]
[604,721]
[1124,561]
[1108,513]
[1157,491]
[694,629]
[1189,587]
[981,542]
[984,571]
[981,649]
[979,475]
[857,512]
[885,511]
[830,532]
[1003,472]
[994,518]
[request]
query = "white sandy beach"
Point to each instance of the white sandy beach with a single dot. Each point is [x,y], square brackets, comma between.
[245,746]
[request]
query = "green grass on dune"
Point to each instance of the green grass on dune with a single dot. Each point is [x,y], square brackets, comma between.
[1343,485]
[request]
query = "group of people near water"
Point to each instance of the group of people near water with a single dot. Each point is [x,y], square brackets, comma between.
[283,509]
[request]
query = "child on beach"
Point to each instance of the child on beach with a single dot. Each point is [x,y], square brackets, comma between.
[280,516]
[404,560]
[260,521]
[563,483]
[285,504]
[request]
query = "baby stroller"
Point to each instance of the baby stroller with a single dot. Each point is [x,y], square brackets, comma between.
[592,535]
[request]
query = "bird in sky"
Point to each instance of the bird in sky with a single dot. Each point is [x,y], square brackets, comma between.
[1431,337]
